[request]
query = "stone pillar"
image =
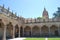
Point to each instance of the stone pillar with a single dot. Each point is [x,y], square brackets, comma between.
[31,32]
[23,31]
[40,30]
[19,31]
[49,30]
[13,31]
[58,31]
[4,35]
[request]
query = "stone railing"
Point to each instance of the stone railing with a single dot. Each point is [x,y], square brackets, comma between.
[40,22]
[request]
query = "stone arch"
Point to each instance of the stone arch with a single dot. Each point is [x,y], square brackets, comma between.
[27,31]
[21,31]
[1,24]
[53,28]
[44,30]
[16,30]
[9,30]
[35,31]
[1,29]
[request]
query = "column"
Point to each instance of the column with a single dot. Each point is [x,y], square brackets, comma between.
[58,31]
[49,30]
[23,31]
[19,31]
[40,31]
[31,32]
[4,35]
[13,31]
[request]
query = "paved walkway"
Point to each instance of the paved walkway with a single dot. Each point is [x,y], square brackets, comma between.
[18,39]
[23,39]
[46,38]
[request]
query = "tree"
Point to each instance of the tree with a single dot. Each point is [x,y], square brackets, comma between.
[38,17]
[57,13]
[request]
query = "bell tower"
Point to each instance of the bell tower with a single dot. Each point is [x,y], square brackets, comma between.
[45,14]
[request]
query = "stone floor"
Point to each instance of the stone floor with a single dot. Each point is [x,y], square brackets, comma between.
[17,39]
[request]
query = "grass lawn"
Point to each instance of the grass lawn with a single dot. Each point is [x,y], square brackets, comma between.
[53,38]
[42,39]
[34,39]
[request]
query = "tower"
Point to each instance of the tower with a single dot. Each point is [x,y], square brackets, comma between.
[45,14]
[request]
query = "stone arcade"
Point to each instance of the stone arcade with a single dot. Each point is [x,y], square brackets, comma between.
[12,26]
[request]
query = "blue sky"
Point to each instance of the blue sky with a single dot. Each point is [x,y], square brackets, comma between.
[31,8]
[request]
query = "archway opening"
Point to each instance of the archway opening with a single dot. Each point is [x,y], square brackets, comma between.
[44,31]
[21,31]
[9,31]
[16,31]
[27,31]
[1,29]
[35,31]
[54,30]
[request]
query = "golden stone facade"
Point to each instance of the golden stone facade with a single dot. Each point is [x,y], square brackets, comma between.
[12,26]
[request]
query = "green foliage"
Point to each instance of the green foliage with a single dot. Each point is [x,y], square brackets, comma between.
[57,13]
[38,17]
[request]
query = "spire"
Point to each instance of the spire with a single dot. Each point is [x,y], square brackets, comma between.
[44,9]
[45,14]
[12,12]
[8,10]
[15,13]
[18,16]
[2,8]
